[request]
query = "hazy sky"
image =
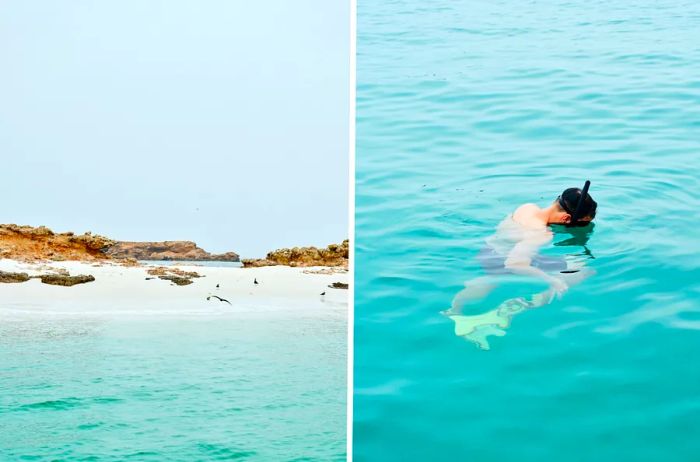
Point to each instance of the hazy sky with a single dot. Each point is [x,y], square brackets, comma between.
[224,122]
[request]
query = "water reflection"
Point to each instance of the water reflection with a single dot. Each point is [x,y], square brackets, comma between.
[574,237]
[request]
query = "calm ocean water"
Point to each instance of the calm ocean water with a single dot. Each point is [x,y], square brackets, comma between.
[467,109]
[196,388]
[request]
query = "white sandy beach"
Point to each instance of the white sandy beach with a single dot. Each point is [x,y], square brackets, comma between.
[124,291]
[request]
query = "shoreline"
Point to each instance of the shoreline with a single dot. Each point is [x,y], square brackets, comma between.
[124,290]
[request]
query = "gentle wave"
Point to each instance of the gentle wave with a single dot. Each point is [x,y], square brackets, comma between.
[466,110]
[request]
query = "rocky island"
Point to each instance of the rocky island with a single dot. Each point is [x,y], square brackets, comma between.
[27,243]
[37,262]
[167,250]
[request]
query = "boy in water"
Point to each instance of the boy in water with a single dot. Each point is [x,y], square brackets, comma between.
[513,249]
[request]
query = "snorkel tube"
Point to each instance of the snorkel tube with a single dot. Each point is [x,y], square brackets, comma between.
[579,206]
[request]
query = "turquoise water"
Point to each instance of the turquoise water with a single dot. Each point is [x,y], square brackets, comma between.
[196,388]
[467,110]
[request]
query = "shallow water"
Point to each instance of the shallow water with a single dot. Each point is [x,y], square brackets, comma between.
[211,387]
[468,109]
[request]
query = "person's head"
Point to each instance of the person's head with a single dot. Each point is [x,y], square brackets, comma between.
[566,204]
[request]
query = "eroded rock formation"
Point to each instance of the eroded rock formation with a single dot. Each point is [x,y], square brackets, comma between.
[27,243]
[167,250]
[333,255]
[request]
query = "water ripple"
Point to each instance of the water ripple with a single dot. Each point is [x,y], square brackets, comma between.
[466,109]
[144,388]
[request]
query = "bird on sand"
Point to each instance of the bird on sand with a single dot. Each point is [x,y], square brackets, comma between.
[220,299]
[255,281]
[217,286]
[323,293]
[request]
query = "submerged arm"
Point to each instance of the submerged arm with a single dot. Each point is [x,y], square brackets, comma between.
[519,261]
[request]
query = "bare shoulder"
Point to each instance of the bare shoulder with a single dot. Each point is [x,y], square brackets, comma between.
[525,211]
[526,215]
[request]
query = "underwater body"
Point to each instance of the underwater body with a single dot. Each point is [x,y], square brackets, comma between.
[467,110]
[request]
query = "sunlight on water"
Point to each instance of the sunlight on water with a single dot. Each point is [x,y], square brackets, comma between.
[467,110]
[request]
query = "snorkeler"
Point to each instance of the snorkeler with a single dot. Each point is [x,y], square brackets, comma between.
[514,250]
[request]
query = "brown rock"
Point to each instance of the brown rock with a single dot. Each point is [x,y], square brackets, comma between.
[333,255]
[164,270]
[175,275]
[167,250]
[338,285]
[26,243]
[179,280]
[63,280]
[7,277]
[256,263]
[129,262]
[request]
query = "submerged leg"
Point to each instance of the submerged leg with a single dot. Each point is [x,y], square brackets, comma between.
[474,289]
[477,328]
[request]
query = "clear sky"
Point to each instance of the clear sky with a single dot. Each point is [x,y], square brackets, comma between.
[224,122]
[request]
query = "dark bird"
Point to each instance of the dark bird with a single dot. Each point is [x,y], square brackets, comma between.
[255,281]
[217,286]
[220,299]
[323,293]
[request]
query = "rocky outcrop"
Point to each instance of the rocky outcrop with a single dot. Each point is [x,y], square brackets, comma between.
[175,275]
[167,250]
[177,280]
[27,243]
[338,285]
[333,255]
[7,277]
[63,280]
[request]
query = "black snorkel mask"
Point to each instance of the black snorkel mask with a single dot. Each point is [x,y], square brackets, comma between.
[576,214]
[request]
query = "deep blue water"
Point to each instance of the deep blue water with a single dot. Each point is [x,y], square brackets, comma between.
[467,109]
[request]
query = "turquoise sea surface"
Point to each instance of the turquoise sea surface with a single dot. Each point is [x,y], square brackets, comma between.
[467,109]
[267,386]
